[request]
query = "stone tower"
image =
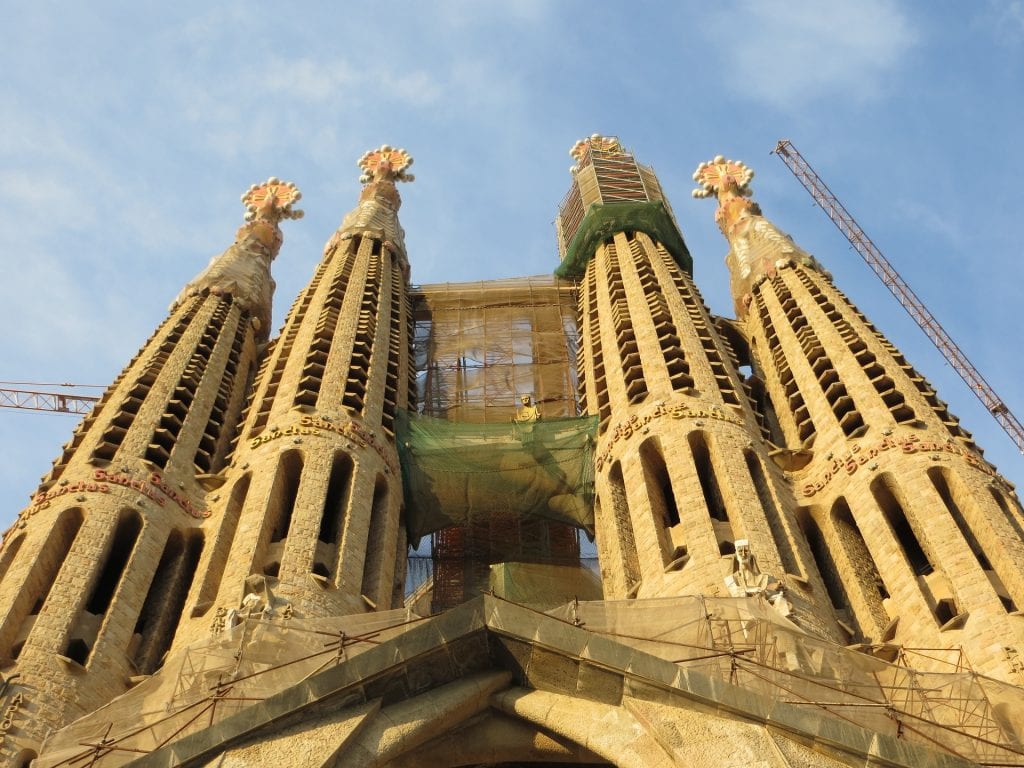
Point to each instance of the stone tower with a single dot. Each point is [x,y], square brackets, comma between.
[918,538]
[97,569]
[683,469]
[310,512]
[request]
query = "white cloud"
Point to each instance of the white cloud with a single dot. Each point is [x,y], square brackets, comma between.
[1006,20]
[789,52]
[922,216]
[310,80]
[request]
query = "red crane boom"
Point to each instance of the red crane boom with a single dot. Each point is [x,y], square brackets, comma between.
[46,401]
[846,224]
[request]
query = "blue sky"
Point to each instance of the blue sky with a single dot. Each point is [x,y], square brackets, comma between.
[130,130]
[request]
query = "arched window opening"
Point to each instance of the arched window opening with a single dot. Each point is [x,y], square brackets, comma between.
[7,556]
[662,500]
[624,529]
[860,564]
[32,596]
[934,587]
[1008,511]
[161,612]
[822,555]
[376,545]
[222,547]
[940,480]
[772,513]
[336,502]
[900,525]
[284,494]
[708,481]
[87,624]
[659,484]
[128,527]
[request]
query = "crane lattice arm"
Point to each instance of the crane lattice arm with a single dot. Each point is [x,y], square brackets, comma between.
[835,210]
[46,401]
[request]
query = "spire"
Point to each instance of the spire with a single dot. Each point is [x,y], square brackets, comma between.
[756,246]
[730,181]
[377,212]
[611,192]
[581,150]
[243,270]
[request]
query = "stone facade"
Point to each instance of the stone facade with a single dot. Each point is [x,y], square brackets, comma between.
[767,491]
[918,536]
[97,568]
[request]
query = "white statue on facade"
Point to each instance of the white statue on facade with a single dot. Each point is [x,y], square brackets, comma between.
[746,580]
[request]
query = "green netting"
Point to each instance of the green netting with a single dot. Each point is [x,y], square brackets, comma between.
[544,586]
[457,473]
[602,221]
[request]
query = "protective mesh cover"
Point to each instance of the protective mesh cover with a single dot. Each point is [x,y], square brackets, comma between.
[213,679]
[455,473]
[540,585]
[744,642]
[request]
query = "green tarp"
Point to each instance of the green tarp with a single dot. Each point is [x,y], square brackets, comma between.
[602,221]
[457,473]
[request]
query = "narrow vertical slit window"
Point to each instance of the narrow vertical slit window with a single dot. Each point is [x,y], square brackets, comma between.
[161,611]
[822,555]
[1008,508]
[222,548]
[624,529]
[725,533]
[376,545]
[85,631]
[333,515]
[900,525]
[940,480]
[873,589]
[9,553]
[32,596]
[662,500]
[933,585]
[284,494]
[772,513]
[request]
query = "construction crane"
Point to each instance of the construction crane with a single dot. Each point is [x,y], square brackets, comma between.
[846,224]
[34,400]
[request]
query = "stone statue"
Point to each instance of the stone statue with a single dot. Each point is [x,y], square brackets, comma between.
[527,412]
[746,580]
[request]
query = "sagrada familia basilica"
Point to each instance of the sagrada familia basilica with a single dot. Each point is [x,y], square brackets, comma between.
[802,558]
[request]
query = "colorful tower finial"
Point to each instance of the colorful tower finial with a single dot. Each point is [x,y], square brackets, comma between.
[756,246]
[721,176]
[581,149]
[385,164]
[729,180]
[272,201]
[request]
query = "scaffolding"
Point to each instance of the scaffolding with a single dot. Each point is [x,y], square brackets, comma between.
[741,643]
[611,192]
[479,348]
[214,679]
[745,643]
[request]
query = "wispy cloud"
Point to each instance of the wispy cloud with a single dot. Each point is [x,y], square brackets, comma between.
[790,52]
[1006,20]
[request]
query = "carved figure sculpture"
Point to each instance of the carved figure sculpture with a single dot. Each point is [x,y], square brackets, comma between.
[528,412]
[746,580]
